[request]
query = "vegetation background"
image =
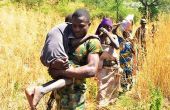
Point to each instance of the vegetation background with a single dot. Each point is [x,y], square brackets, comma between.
[23,28]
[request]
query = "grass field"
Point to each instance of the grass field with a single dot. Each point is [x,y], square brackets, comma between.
[22,35]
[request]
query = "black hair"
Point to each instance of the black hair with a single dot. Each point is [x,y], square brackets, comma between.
[80,13]
[68,18]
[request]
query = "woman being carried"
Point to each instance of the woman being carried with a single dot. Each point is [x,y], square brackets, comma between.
[54,54]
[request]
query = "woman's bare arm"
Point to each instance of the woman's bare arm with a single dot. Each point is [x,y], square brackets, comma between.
[112,37]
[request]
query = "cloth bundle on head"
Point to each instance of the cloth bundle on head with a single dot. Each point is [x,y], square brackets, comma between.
[129,18]
[126,24]
[105,21]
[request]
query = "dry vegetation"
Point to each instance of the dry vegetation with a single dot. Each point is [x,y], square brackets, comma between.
[22,34]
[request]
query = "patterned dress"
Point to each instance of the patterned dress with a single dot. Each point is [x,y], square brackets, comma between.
[126,63]
[72,97]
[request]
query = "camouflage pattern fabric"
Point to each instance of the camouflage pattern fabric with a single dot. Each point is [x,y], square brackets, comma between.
[140,35]
[72,97]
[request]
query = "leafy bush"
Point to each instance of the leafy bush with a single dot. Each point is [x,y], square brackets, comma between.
[109,8]
[156,99]
[30,3]
[97,8]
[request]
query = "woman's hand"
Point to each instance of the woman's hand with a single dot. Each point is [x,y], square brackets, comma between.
[55,74]
[60,64]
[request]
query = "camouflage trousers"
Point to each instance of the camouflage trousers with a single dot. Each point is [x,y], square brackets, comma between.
[70,101]
[141,53]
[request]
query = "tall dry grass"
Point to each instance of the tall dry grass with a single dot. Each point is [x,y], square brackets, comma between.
[22,34]
[153,84]
[156,71]
[152,89]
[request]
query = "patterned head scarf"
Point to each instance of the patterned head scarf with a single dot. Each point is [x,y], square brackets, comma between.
[105,21]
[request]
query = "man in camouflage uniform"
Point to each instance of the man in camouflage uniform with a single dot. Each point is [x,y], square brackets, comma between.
[84,59]
[140,36]
[72,97]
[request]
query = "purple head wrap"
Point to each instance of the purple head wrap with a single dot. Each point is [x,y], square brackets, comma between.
[105,21]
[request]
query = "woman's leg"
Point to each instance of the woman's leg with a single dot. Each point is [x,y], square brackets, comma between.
[40,91]
[35,93]
[29,91]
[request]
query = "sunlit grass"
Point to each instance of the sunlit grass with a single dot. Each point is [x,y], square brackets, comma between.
[22,35]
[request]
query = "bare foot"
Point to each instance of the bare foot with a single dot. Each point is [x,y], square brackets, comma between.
[37,96]
[33,108]
[29,91]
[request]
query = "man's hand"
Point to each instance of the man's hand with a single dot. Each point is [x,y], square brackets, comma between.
[55,74]
[60,64]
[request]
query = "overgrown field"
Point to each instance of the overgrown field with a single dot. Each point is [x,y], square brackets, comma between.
[22,35]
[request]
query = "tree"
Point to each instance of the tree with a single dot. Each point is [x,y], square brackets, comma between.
[117,8]
[151,8]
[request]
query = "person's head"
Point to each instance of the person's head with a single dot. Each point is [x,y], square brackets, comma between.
[105,23]
[125,34]
[68,18]
[143,22]
[80,22]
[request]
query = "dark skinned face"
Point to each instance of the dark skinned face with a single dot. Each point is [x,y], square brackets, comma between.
[108,28]
[80,26]
[143,25]
[125,34]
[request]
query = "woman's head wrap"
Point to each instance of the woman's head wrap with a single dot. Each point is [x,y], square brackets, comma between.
[105,21]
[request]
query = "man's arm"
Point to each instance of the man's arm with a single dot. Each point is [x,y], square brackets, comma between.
[85,71]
